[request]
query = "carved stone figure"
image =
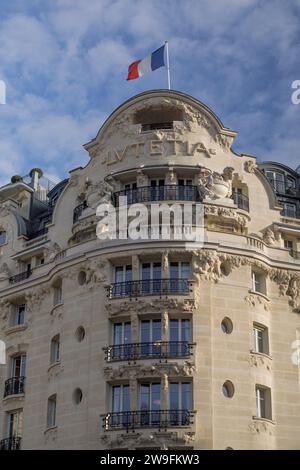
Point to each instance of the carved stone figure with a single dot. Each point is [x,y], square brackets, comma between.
[214,185]
[250,166]
[141,179]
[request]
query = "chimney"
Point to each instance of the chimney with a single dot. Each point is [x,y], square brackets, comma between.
[35,174]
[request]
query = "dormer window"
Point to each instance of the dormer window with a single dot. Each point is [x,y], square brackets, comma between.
[160,118]
[156,126]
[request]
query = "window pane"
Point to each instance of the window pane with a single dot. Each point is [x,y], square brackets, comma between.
[128,275]
[116,399]
[174,396]
[155,402]
[174,271]
[156,330]
[145,331]
[185,270]
[127,333]
[186,391]
[185,330]
[174,330]
[145,397]
[117,333]
[119,274]
[126,398]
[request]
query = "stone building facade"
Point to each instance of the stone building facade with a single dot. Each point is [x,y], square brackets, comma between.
[151,343]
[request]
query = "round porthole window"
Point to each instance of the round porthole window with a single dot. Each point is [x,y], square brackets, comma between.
[80,334]
[77,396]
[228,389]
[227,325]
[82,278]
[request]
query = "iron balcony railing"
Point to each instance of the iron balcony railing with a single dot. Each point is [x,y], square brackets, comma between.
[160,419]
[295,254]
[38,233]
[241,200]
[78,211]
[154,350]
[159,287]
[158,193]
[20,277]
[11,443]
[14,386]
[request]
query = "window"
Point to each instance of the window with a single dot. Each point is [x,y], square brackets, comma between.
[121,340]
[80,334]
[120,398]
[57,297]
[131,193]
[277,180]
[3,238]
[180,270]
[54,353]
[51,412]
[159,125]
[185,189]
[180,402]
[18,366]
[260,339]
[263,402]
[20,312]
[258,282]
[289,209]
[228,389]
[151,277]
[123,278]
[179,337]
[290,184]
[227,325]
[15,423]
[150,403]
[150,335]
[288,244]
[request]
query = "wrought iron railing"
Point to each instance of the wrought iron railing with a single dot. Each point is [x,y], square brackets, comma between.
[159,287]
[154,350]
[160,419]
[14,386]
[38,233]
[78,211]
[20,277]
[295,254]
[158,193]
[241,200]
[11,443]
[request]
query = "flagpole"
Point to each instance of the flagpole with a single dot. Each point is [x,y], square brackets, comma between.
[168,65]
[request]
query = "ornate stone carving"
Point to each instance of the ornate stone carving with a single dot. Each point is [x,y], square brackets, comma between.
[4,272]
[141,179]
[255,300]
[148,306]
[250,166]
[138,371]
[219,214]
[51,251]
[100,193]
[258,360]
[260,427]
[146,438]
[213,185]
[96,272]
[171,177]
[5,307]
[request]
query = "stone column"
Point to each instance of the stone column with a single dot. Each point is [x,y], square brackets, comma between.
[135,268]
[134,327]
[165,265]
[164,392]
[165,326]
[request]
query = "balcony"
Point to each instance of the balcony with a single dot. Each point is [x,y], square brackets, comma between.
[160,287]
[78,211]
[11,443]
[158,193]
[20,277]
[14,386]
[131,420]
[155,350]
[241,200]
[38,233]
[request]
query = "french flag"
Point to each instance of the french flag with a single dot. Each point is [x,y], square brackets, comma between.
[152,62]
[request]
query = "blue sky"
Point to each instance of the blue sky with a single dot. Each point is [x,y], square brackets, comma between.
[65,63]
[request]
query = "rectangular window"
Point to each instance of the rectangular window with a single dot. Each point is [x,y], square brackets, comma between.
[121,340]
[263,402]
[55,346]
[57,299]
[180,402]
[51,412]
[150,334]
[258,282]
[151,278]
[179,337]
[20,315]
[260,339]
[15,423]
[120,398]
[18,366]
[3,238]
[123,278]
[289,210]
[150,403]
[288,244]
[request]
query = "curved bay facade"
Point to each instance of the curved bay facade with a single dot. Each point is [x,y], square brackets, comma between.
[152,343]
